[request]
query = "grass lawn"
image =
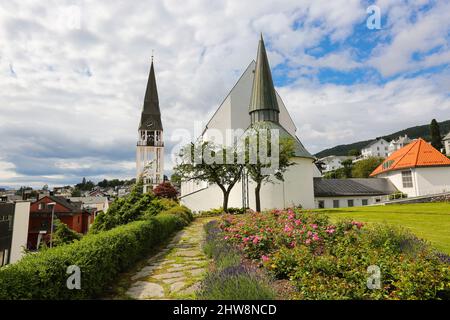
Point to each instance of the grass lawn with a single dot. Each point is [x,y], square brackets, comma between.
[429,221]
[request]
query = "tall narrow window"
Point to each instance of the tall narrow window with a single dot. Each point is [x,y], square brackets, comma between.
[407,179]
[350,202]
[335,203]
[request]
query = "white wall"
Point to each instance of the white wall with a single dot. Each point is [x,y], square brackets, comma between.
[428,180]
[20,230]
[378,149]
[297,189]
[447,147]
[343,201]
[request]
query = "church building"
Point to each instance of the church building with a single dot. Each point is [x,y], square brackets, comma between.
[254,103]
[150,145]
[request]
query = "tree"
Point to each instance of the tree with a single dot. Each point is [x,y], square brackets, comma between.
[175,179]
[354,153]
[347,166]
[63,234]
[261,171]
[165,190]
[206,161]
[363,168]
[436,139]
[76,193]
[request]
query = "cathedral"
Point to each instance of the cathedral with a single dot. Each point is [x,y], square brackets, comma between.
[254,102]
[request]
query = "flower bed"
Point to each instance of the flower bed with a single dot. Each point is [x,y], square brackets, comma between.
[330,261]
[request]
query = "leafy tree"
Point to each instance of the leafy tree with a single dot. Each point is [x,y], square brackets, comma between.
[195,167]
[436,139]
[347,168]
[260,171]
[165,190]
[175,179]
[63,234]
[354,153]
[76,193]
[363,168]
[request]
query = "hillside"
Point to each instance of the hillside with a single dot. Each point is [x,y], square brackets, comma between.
[422,131]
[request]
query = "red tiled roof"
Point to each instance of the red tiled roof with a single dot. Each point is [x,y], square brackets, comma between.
[418,153]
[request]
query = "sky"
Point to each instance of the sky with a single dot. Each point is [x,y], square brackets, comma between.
[73,74]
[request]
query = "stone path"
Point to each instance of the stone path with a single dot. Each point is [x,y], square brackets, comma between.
[175,272]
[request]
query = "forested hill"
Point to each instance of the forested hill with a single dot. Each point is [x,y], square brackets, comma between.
[422,131]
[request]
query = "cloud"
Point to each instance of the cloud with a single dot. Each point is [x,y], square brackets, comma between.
[73,74]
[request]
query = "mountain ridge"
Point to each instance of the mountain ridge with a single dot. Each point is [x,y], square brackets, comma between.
[421,131]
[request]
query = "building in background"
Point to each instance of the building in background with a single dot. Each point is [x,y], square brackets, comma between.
[377,148]
[14,219]
[446,142]
[150,145]
[398,143]
[331,163]
[70,213]
[340,193]
[97,203]
[417,169]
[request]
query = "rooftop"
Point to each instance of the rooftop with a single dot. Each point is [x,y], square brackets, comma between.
[353,187]
[418,153]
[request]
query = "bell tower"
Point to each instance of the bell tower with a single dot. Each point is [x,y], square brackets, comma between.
[150,145]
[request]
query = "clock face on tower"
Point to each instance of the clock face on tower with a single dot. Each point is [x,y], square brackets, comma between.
[149,124]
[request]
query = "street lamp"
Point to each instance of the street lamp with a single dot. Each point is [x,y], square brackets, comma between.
[53,204]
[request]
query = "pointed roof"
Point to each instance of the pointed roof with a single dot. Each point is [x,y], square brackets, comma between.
[263,92]
[418,153]
[151,115]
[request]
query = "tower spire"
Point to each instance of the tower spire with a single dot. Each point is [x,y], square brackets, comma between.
[150,111]
[263,103]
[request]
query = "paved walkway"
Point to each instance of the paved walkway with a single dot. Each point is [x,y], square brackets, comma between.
[175,272]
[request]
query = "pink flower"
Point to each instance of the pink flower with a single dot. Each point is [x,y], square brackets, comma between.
[330,231]
[226,238]
[297,222]
[246,239]
[315,237]
[292,244]
[255,240]
[314,226]
[265,258]
[308,241]
[287,228]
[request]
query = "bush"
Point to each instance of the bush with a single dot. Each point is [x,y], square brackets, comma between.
[330,261]
[165,190]
[182,212]
[63,234]
[100,258]
[229,280]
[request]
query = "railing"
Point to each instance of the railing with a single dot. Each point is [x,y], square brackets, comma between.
[150,143]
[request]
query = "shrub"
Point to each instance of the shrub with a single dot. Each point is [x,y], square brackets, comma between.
[229,280]
[165,190]
[330,261]
[182,212]
[100,258]
[63,234]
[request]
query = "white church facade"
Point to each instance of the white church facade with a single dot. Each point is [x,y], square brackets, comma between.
[253,99]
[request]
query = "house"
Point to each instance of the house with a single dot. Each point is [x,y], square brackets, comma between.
[253,102]
[377,148]
[340,193]
[331,163]
[14,218]
[398,143]
[65,191]
[68,212]
[446,142]
[97,203]
[417,169]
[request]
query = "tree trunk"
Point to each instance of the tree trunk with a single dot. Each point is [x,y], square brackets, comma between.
[225,200]
[257,198]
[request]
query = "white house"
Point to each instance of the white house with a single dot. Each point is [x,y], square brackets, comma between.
[254,102]
[417,169]
[446,142]
[377,148]
[98,203]
[331,163]
[398,143]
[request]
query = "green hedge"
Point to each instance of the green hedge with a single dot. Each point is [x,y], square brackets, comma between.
[100,257]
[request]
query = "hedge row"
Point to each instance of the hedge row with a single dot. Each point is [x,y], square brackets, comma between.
[100,258]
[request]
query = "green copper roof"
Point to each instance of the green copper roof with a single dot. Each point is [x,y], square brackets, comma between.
[151,116]
[300,150]
[263,92]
